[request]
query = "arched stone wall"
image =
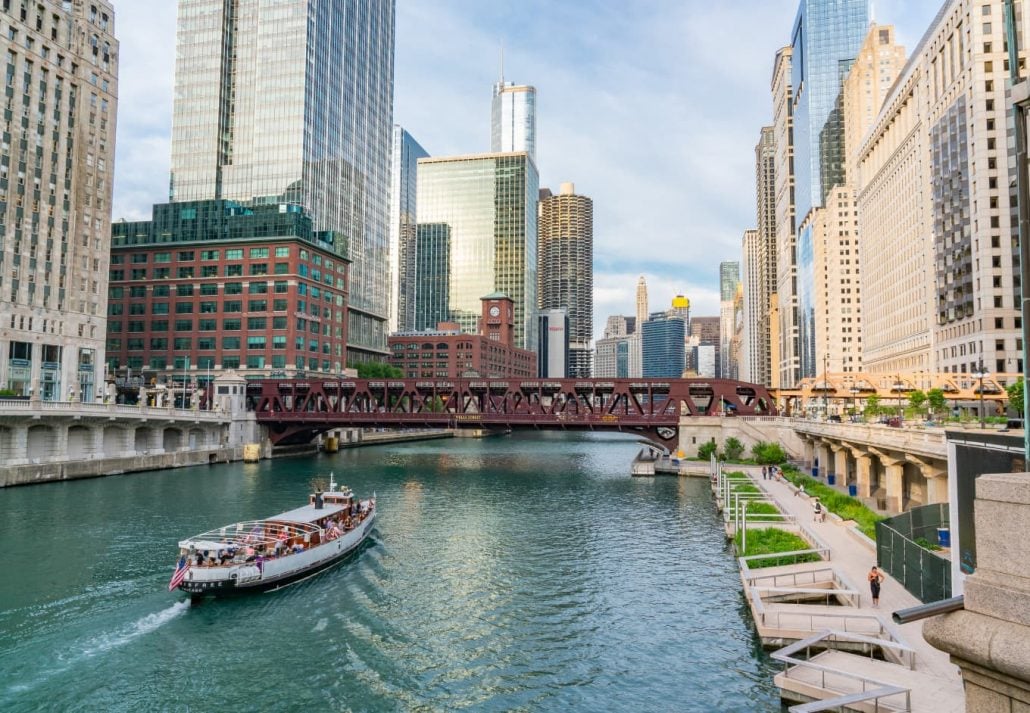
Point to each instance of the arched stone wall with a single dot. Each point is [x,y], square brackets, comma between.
[197,439]
[80,443]
[115,441]
[172,440]
[42,442]
[143,439]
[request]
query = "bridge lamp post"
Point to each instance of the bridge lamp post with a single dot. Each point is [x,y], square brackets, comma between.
[981,374]
[898,386]
[854,399]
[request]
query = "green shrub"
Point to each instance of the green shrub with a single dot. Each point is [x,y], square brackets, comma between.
[759,508]
[734,449]
[771,540]
[768,453]
[845,506]
[745,488]
[705,450]
[927,545]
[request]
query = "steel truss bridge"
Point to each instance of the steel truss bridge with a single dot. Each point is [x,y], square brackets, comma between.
[296,410]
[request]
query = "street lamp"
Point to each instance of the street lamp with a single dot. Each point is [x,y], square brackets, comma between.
[854,399]
[899,387]
[981,374]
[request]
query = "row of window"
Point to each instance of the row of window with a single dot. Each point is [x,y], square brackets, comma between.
[230,288]
[138,344]
[230,254]
[228,325]
[253,361]
[256,270]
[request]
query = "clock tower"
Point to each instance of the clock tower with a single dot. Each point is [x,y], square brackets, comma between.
[498,320]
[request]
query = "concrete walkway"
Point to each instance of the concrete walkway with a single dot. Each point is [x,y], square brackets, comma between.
[939,682]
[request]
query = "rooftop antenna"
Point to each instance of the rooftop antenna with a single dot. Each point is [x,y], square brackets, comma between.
[502,64]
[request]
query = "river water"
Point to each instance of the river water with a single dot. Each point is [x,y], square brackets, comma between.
[517,573]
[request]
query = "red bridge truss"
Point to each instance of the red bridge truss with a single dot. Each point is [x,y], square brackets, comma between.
[296,410]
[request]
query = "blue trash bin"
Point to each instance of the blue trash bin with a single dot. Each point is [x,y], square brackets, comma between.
[944,537]
[815,471]
[831,479]
[853,491]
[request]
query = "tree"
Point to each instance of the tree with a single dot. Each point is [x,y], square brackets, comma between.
[705,450]
[768,453]
[872,405]
[1015,391]
[376,370]
[936,400]
[733,449]
[916,399]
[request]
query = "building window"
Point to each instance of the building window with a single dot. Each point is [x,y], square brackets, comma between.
[207,325]
[159,308]
[282,251]
[234,288]
[208,254]
[233,270]
[234,254]
[162,257]
[232,306]
[230,343]
[184,325]
[258,252]
[259,268]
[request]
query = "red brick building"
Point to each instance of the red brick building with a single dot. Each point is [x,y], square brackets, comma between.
[216,285]
[447,353]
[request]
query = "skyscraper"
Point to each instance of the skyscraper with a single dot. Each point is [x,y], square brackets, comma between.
[487,204]
[565,268]
[826,39]
[406,153]
[662,338]
[553,351]
[56,168]
[729,279]
[761,268]
[641,302]
[786,368]
[292,102]
[513,118]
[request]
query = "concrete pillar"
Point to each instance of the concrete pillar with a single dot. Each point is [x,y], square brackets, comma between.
[20,444]
[60,441]
[936,484]
[990,638]
[96,442]
[865,464]
[840,465]
[825,463]
[895,485]
[809,453]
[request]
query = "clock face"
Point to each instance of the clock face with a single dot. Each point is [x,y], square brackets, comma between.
[494,311]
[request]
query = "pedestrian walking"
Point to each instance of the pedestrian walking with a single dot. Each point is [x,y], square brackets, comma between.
[765,473]
[875,578]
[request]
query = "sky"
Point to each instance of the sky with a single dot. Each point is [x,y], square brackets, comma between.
[652,108]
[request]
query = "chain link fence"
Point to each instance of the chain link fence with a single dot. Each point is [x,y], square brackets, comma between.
[925,574]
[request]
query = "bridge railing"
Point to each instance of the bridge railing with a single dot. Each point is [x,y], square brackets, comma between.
[79,408]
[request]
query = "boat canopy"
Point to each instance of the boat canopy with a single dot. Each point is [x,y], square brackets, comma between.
[308,513]
[250,533]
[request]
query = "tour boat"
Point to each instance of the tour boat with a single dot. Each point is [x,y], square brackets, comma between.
[265,555]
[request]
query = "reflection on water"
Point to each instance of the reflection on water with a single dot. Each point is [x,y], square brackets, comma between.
[517,573]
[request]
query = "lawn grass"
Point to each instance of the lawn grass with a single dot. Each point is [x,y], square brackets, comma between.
[757,508]
[845,506]
[770,541]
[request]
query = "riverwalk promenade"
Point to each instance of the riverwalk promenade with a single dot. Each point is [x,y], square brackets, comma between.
[935,683]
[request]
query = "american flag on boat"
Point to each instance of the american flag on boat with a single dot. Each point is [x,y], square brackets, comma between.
[180,573]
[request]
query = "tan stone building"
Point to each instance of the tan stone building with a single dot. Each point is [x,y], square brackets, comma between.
[789,363]
[749,351]
[939,256]
[55,191]
[761,265]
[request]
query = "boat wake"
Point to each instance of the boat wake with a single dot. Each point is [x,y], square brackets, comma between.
[141,627]
[106,642]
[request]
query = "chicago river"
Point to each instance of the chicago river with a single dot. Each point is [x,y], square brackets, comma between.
[526,572]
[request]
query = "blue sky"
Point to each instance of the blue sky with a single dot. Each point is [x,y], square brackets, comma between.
[652,108]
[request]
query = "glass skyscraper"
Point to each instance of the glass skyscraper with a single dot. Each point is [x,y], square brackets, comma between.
[663,347]
[406,153]
[292,102]
[513,118]
[488,205]
[826,38]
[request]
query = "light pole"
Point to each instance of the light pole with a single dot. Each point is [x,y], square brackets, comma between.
[898,386]
[826,385]
[981,374]
[854,399]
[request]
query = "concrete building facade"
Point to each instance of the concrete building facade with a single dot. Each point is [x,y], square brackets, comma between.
[762,264]
[788,366]
[292,102]
[729,279]
[565,268]
[56,176]
[939,253]
[553,358]
[749,349]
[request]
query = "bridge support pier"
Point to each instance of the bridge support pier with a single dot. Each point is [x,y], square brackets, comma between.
[824,454]
[865,467]
[895,484]
[840,465]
